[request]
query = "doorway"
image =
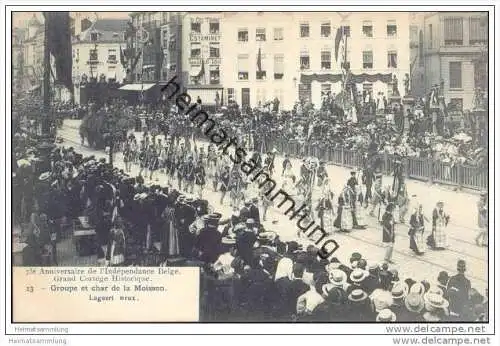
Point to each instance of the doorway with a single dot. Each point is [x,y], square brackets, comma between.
[245,97]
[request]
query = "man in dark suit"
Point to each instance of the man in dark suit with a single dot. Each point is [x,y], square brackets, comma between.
[185,215]
[245,242]
[458,289]
[209,241]
[245,212]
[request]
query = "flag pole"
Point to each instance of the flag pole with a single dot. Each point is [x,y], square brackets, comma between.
[46,80]
[46,145]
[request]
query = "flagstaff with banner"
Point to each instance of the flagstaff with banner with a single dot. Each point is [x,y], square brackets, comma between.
[57,43]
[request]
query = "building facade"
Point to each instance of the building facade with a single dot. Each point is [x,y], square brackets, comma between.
[17,59]
[96,53]
[33,48]
[201,55]
[456,54]
[291,55]
[154,43]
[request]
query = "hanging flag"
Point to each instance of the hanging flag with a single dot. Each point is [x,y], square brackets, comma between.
[339,43]
[136,60]
[259,61]
[202,70]
[122,58]
[58,26]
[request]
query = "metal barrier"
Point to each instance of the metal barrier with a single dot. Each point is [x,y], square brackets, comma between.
[417,168]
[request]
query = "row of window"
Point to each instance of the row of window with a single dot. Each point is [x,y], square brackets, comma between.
[454,31]
[325,31]
[305,63]
[213,27]
[213,75]
[196,50]
[94,55]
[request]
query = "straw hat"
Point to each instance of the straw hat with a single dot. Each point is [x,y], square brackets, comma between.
[357,295]
[358,275]
[44,176]
[434,290]
[436,301]
[386,315]
[414,302]
[399,291]
[337,277]
[418,288]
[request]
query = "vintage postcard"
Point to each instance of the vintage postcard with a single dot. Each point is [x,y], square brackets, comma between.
[250,166]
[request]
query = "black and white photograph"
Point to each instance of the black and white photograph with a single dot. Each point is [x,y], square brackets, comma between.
[312,165]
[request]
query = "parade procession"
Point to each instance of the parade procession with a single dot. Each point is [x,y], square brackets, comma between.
[109,170]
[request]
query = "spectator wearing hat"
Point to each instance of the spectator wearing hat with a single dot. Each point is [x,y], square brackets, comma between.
[388,233]
[458,289]
[442,282]
[399,292]
[482,220]
[414,305]
[357,278]
[185,216]
[358,307]
[245,241]
[436,307]
[380,299]
[245,213]
[209,242]
[256,292]
[386,316]
[372,281]
[385,277]
[334,307]
[337,278]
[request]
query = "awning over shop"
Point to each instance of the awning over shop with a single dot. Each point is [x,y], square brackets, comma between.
[137,87]
[148,67]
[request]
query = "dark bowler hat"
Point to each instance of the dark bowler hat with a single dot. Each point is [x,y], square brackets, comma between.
[212,222]
[356,256]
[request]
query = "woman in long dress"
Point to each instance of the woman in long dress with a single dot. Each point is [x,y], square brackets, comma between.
[170,236]
[438,240]
[288,176]
[118,244]
[344,220]
[359,211]
[325,208]
[417,229]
